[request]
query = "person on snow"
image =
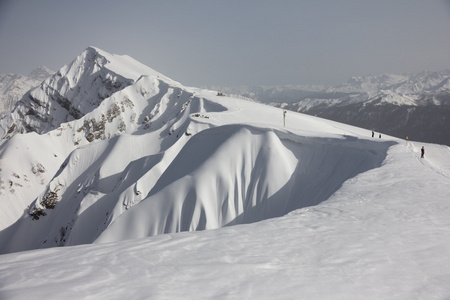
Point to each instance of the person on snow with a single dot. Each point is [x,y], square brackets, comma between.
[422,151]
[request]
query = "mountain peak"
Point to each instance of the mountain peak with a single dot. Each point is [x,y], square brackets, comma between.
[41,73]
[122,65]
[73,91]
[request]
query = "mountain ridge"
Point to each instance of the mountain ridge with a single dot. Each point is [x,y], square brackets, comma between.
[63,97]
[121,159]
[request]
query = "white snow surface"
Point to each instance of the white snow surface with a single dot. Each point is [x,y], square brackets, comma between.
[200,196]
[383,235]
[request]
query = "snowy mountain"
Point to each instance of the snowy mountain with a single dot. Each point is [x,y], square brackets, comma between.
[426,88]
[416,105]
[119,135]
[41,73]
[110,153]
[73,91]
[14,86]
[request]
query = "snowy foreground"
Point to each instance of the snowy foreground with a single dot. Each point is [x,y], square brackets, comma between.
[160,191]
[383,235]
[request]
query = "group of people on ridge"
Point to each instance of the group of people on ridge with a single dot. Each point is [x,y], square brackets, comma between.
[422,151]
[373,133]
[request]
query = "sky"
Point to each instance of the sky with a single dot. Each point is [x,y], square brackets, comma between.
[228,43]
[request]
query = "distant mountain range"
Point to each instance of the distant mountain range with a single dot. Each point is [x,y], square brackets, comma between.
[14,86]
[416,106]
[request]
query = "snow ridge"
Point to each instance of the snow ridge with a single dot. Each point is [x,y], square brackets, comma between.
[143,155]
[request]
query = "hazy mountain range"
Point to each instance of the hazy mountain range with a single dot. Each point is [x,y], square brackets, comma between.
[410,105]
[14,86]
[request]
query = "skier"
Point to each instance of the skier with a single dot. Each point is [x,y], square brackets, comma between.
[423,151]
[372,133]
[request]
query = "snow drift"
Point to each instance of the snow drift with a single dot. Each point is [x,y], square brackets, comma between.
[234,174]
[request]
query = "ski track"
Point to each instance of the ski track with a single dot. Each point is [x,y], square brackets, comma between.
[442,166]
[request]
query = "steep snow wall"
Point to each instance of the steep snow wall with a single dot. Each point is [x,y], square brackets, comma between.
[221,176]
[237,174]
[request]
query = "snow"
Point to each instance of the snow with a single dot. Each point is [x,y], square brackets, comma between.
[383,235]
[208,197]
[27,176]
[397,98]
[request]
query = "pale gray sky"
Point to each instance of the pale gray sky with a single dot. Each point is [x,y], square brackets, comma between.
[233,42]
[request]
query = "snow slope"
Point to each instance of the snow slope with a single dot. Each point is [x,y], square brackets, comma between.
[382,235]
[180,193]
[221,161]
[75,90]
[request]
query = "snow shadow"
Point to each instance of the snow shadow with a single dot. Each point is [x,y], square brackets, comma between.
[324,164]
[237,174]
